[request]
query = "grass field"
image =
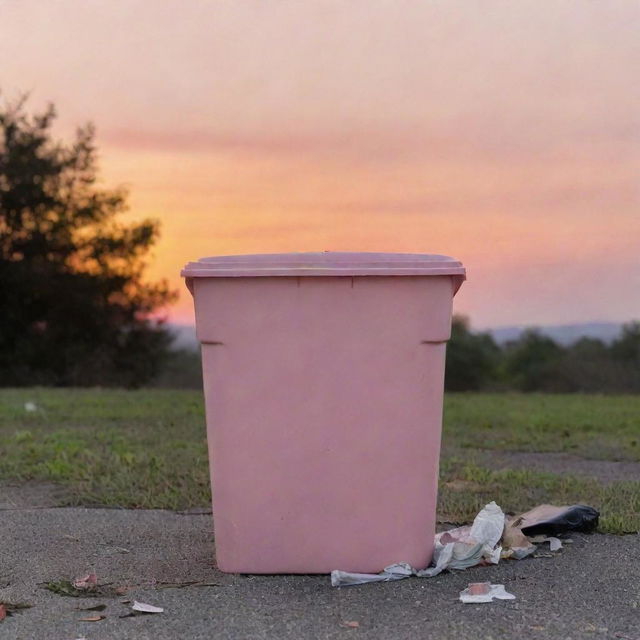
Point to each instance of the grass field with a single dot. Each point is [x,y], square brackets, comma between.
[147,449]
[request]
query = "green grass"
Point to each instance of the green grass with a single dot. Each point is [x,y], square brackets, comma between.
[591,426]
[465,488]
[147,448]
[109,447]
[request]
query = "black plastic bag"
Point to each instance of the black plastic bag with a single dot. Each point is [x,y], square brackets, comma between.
[578,517]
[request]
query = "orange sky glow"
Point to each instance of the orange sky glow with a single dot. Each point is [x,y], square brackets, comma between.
[506,134]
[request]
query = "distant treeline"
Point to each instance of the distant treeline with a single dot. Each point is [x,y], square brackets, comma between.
[475,362]
[535,362]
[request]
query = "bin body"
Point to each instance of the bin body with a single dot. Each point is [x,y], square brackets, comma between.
[323,397]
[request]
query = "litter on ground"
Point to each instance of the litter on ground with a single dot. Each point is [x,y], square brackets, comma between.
[146,608]
[487,595]
[492,536]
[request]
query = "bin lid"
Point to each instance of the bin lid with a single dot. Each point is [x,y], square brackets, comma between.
[326,263]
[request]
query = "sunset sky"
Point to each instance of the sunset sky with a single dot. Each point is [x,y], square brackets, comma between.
[506,134]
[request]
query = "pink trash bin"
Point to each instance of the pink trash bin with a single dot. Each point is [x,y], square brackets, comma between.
[323,384]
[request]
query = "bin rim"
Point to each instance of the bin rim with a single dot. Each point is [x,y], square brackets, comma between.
[325,263]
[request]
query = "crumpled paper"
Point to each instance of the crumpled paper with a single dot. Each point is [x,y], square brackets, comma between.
[479,543]
[495,591]
[459,548]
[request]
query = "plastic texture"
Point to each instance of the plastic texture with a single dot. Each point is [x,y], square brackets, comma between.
[326,263]
[323,399]
[551,521]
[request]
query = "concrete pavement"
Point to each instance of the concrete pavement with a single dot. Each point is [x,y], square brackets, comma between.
[591,589]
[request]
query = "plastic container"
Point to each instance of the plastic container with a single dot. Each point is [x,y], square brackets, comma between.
[323,383]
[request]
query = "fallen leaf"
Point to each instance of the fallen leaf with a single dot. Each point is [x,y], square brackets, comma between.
[181,585]
[86,583]
[92,618]
[146,608]
[9,608]
[352,624]
[63,588]
[120,591]
[66,588]
[98,607]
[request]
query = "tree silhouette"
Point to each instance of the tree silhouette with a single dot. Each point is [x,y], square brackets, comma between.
[75,309]
[531,362]
[472,358]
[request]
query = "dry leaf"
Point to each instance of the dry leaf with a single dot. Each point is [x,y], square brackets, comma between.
[66,588]
[120,591]
[98,607]
[181,585]
[92,618]
[9,608]
[352,624]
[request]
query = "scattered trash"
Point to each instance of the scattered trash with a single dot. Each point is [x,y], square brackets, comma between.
[145,608]
[86,583]
[479,588]
[392,572]
[492,537]
[64,588]
[459,548]
[554,544]
[141,608]
[98,607]
[549,520]
[515,544]
[30,406]
[9,608]
[487,593]
[92,619]
[86,588]
[351,624]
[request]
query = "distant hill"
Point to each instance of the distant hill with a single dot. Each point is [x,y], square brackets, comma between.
[564,334]
[185,335]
